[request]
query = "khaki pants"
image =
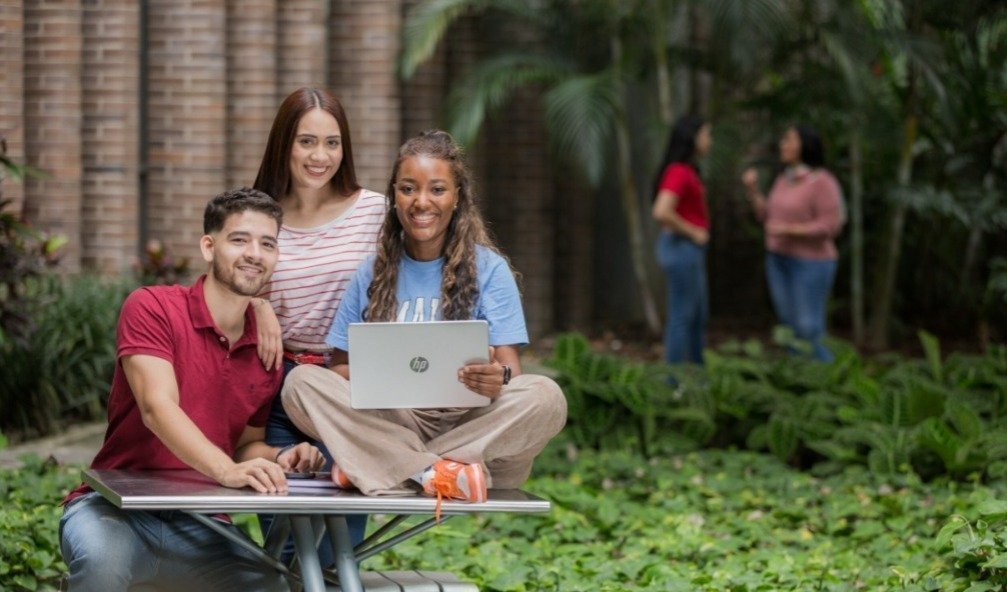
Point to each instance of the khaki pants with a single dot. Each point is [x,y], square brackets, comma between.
[379,449]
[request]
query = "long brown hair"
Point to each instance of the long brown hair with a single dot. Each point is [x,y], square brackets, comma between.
[274,172]
[459,281]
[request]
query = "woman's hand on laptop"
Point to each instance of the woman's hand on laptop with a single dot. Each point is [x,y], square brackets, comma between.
[301,458]
[488,379]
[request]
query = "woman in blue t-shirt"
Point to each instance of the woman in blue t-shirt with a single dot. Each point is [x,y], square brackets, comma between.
[435,261]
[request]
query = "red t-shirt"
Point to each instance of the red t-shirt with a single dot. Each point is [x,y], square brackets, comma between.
[222,390]
[682,180]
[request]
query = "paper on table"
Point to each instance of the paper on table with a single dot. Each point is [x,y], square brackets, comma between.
[323,482]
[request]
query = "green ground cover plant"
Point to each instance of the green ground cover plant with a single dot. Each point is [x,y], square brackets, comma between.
[760,472]
[697,521]
[935,415]
[714,520]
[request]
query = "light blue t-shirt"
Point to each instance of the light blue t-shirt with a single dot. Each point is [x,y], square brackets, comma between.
[419,298]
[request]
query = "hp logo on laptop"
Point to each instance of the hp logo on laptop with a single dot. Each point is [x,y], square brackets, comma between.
[419,364]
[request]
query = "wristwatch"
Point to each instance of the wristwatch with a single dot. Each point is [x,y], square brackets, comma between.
[506,376]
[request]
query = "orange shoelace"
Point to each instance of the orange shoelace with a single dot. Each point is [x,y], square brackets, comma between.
[444,485]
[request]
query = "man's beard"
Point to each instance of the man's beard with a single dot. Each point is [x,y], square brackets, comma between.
[232,279]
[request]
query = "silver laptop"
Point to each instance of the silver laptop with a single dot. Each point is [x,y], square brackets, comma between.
[415,365]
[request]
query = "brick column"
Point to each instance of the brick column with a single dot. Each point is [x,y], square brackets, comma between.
[52,107]
[423,95]
[302,45]
[573,269]
[519,196]
[110,134]
[187,119]
[364,49]
[12,93]
[518,187]
[251,85]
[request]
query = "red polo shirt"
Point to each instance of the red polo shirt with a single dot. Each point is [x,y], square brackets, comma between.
[683,180]
[222,389]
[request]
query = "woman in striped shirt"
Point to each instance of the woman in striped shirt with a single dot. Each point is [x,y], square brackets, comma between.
[330,225]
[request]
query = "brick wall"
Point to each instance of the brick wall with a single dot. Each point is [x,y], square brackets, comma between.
[53,114]
[12,91]
[217,70]
[423,94]
[364,44]
[110,141]
[302,45]
[187,86]
[251,85]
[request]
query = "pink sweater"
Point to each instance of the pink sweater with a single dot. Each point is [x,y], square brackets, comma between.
[813,200]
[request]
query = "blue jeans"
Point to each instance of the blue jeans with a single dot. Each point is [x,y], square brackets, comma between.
[684,266]
[800,290]
[106,548]
[280,431]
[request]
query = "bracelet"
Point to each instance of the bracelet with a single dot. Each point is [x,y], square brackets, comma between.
[506,374]
[276,459]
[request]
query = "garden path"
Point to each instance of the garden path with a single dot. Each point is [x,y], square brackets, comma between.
[76,445]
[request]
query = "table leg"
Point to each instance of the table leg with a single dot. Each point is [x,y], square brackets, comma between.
[307,553]
[342,551]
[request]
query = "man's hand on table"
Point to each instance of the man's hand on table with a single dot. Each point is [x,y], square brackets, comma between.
[266,476]
[260,474]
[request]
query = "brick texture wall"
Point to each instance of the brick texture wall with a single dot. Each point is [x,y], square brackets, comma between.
[12,92]
[187,88]
[302,45]
[70,83]
[53,116]
[251,85]
[364,44]
[110,141]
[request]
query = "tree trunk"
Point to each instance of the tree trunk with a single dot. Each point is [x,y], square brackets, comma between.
[975,238]
[890,263]
[971,254]
[664,99]
[857,234]
[630,205]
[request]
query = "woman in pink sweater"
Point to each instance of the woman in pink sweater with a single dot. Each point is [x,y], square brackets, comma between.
[802,216]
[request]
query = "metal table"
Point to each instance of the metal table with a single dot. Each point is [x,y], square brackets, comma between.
[304,512]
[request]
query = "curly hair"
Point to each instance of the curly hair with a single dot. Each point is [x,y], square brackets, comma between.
[466,230]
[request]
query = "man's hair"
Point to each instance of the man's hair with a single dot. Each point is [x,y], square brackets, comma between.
[237,201]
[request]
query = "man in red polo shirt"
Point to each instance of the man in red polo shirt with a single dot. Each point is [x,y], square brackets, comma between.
[189,391]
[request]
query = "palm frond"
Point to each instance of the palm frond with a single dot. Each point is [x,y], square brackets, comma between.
[492,84]
[424,26]
[580,112]
[427,22]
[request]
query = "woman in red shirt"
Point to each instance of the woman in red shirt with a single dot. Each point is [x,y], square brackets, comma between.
[680,208]
[802,217]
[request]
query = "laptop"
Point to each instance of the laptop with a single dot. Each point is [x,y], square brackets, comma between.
[415,365]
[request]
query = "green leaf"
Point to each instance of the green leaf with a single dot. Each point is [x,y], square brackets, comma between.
[997,562]
[932,350]
[993,509]
[580,112]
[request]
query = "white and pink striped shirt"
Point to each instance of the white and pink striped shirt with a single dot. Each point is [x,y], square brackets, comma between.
[315,267]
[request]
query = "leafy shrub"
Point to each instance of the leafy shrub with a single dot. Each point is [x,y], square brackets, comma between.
[62,368]
[933,415]
[159,267]
[29,523]
[975,553]
[710,520]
